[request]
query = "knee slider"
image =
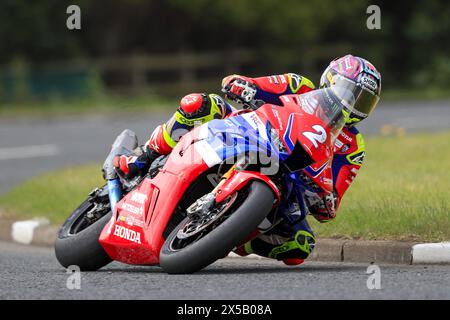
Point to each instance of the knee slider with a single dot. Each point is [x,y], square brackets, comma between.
[299,247]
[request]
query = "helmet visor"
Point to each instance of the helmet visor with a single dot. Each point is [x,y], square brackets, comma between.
[356,98]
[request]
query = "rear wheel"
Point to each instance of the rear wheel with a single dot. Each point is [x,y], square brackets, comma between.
[77,241]
[200,240]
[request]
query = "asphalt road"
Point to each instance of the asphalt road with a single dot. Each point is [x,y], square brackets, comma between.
[30,146]
[33,273]
[62,142]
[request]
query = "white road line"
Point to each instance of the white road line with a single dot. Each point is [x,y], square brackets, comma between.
[46,150]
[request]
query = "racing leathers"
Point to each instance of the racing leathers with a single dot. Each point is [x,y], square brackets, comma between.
[289,242]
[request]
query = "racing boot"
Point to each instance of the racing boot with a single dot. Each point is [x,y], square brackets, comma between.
[292,251]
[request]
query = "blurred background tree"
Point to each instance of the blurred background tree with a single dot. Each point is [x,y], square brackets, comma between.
[173,46]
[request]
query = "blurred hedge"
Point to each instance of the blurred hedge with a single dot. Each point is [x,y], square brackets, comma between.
[411,49]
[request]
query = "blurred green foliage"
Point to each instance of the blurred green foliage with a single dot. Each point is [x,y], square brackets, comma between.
[411,49]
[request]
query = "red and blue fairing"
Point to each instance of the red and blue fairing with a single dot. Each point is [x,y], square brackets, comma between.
[280,140]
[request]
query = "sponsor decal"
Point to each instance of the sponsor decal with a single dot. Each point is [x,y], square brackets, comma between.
[345,148]
[193,122]
[346,136]
[369,83]
[256,123]
[131,221]
[338,143]
[127,234]
[277,115]
[255,119]
[139,197]
[130,208]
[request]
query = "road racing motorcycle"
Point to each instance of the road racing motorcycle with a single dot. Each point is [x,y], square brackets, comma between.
[224,183]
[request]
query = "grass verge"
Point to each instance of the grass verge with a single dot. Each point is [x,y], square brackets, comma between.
[53,195]
[401,192]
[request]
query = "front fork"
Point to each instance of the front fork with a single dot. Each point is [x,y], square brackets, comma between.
[296,193]
[114,192]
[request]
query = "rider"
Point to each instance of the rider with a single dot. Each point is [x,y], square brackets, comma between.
[291,243]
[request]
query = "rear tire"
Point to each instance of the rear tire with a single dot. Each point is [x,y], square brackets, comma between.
[221,240]
[82,249]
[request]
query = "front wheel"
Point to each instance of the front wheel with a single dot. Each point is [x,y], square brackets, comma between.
[192,246]
[77,242]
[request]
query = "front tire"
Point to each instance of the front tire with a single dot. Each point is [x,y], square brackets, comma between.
[80,246]
[223,238]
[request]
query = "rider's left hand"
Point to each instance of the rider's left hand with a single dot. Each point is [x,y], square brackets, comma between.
[239,87]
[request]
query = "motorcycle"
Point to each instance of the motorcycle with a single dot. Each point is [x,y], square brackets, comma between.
[225,182]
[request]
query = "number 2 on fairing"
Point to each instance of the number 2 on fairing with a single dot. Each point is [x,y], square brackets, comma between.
[319,136]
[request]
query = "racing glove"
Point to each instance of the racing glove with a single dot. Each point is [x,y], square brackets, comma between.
[137,164]
[324,206]
[238,86]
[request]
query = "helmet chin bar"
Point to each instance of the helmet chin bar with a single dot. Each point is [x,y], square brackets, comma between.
[349,120]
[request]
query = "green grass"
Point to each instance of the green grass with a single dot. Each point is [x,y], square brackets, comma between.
[53,195]
[402,192]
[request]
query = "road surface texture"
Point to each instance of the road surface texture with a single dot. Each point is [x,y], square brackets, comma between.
[33,273]
[29,146]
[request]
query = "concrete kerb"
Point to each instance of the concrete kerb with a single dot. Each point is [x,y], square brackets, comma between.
[29,232]
[433,253]
[41,232]
[396,252]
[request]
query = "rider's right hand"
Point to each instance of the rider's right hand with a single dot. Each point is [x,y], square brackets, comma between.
[135,164]
[125,166]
